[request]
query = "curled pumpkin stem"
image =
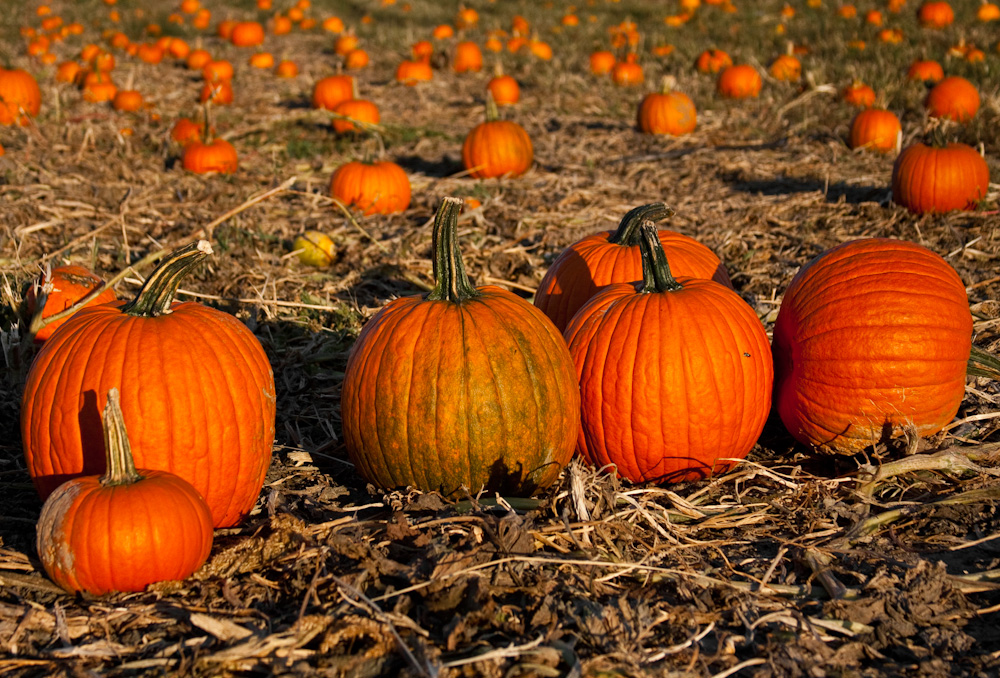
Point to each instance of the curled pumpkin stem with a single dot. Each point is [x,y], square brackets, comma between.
[627,233]
[157,294]
[656,275]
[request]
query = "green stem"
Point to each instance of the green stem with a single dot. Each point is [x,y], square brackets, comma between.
[157,294]
[450,280]
[118,451]
[656,276]
[492,112]
[627,233]
[983,364]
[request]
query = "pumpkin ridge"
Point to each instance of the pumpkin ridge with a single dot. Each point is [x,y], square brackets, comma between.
[423,412]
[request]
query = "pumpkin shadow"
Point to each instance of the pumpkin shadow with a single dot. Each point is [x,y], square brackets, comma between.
[833,193]
[441,168]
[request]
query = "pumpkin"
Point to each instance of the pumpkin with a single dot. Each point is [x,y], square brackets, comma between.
[345,43]
[859,95]
[354,111]
[196,386]
[925,70]
[627,72]
[261,60]
[497,148]
[872,335]
[412,72]
[20,96]
[247,34]
[218,92]
[68,71]
[372,187]
[666,112]
[217,70]
[465,389]
[935,14]
[355,59]
[217,155]
[98,87]
[786,68]
[286,69]
[931,179]
[333,24]
[675,374]
[875,129]
[468,57]
[741,81]
[149,53]
[504,89]
[988,11]
[57,290]
[422,50]
[197,59]
[185,130]
[955,98]
[712,61]
[127,100]
[614,257]
[315,248]
[125,529]
[331,90]
[601,62]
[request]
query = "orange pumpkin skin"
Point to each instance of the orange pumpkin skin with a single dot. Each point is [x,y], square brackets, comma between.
[601,62]
[955,98]
[611,257]
[875,129]
[497,148]
[929,179]
[63,287]
[247,34]
[712,61]
[859,94]
[127,100]
[359,110]
[373,188]
[504,89]
[674,382]
[215,156]
[739,82]
[468,58]
[935,15]
[627,73]
[926,71]
[196,389]
[787,68]
[466,386]
[412,72]
[20,96]
[871,334]
[331,90]
[666,113]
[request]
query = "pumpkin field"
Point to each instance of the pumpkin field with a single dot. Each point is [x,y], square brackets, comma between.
[502,338]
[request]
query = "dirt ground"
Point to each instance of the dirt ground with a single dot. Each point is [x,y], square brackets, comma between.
[884,564]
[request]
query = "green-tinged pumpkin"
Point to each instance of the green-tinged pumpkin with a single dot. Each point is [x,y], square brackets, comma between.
[461,388]
[614,257]
[196,388]
[675,374]
[126,529]
[872,336]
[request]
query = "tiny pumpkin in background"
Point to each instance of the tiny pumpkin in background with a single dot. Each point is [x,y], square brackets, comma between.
[925,70]
[741,81]
[411,72]
[666,111]
[496,148]
[712,61]
[468,58]
[504,89]
[354,114]
[875,129]
[601,62]
[935,14]
[154,525]
[786,68]
[627,72]
[331,90]
[858,94]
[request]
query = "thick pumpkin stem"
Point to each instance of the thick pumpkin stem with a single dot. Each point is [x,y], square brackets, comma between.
[450,280]
[117,450]
[157,294]
[982,363]
[492,112]
[627,233]
[656,275]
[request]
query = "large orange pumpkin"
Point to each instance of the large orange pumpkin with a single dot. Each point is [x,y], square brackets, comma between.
[196,388]
[462,388]
[872,335]
[612,257]
[931,179]
[675,374]
[153,526]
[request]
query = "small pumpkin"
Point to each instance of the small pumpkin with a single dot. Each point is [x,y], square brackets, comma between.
[875,129]
[741,81]
[988,11]
[20,96]
[628,72]
[432,399]
[356,59]
[57,290]
[128,100]
[712,61]
[468,57]
[786,68]
[858,94]
[217,155]
[154,526]
[185,130]
[601,62]
[504,89]
[497,148]
[675,374]
[411,72]
[872,335]
[955,98]
[925,70]
[372,187]
[286,69]
[331,90]
[935,14]
[611,257]
[361,111]
[247,34]
[198,397]
[666,112]
[931,179]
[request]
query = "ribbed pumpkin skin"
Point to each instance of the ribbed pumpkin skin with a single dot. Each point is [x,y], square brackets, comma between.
[670,383]
[374,188]
[667,113]
[102,539]
[436,392]
[216,156]
[875,129]
[870,333]
[591,263]
[197,392]
[497,148]
[929,179]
